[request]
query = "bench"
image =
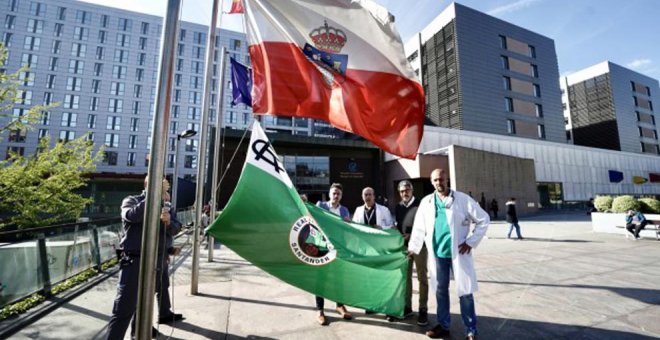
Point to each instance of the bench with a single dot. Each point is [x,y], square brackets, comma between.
[653,225]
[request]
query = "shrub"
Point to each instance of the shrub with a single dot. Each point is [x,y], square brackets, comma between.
[603,203]
[649,205]
[624,203]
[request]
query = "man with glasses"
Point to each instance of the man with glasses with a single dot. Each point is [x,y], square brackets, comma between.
[404,213]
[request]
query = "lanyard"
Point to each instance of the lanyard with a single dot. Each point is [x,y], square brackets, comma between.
[368,217]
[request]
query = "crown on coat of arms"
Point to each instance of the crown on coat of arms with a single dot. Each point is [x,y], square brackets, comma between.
[327,38]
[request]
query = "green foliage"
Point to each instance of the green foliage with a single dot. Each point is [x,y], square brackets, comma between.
[35,299]
[21,306]
[622,204]
[603,203]
[39,189]
[649,205]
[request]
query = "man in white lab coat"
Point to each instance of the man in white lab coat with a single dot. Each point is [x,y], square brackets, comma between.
[372,213]
[443,223]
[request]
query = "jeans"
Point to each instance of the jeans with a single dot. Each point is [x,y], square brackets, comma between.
[511,226]
[468,314]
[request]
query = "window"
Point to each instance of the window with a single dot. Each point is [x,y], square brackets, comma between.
[134,124]
[42,133]
[195,98]
[139,74]
[503,42]
[142,58]
[144,28]
[531,51]
[45,118]
[61,13]
[121,56]
[37,8]
[13,5]
[113,123]
[199,38]
[236,45]
[179,64]
[175,111]
[32,43]
[27,78]
[507,83]
[130,161]
[103,37]
[94,104]
[104,20]
[177,96]
[83,17]
[57,45]
[196,67]
[109,157]
[508,104]
[78,50]
[24,98]
[125,24]
[115,105]
[172,144]
[193,113]
[118,72]
[80,33]
[18,150]
[123,40]
[73,84]
[98,69]
[541,131]
[6,38]
[648,91]
[69,119]
[71,101]
[117,89]
[76,66]
[91,121]
[534,70]
[29,59]
[537,90]
[174,128]
[195,82]
[136,108]
[190,162]
[132,141]
[182,35]
[511,126]
[137,91]
[50,81]
[35,26]
[198,52]
[505,62]
[539,110]
[191,145]
[142,43]
[96,86]
[48,98]
[100,53]
[66,136]
[58,29]
[180,49]
[170,160]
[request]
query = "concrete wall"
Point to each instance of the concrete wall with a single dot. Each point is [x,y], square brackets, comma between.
[496,176]
[420,168]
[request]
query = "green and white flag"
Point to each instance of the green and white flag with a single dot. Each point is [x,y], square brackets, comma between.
[267,223]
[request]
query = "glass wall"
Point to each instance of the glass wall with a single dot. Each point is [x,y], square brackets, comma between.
[308,173]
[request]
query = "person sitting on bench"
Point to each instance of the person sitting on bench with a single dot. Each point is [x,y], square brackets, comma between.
[637,227]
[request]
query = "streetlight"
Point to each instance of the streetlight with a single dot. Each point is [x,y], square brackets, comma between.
[175,180]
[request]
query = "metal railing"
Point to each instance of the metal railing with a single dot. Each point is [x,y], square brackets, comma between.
[34,260]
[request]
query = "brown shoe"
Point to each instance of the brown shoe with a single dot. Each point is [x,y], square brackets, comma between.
[344,313]
[322,320]
[437,332]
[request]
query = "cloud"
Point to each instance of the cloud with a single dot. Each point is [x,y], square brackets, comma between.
[639,63]
[512,7]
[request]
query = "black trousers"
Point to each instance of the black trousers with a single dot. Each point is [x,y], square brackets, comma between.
[636,227]
[321,301]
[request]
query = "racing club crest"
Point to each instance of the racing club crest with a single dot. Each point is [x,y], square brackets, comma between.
[309,244]
[328,42]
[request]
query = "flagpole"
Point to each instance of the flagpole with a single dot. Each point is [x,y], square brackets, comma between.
[201,155]
[147,274]
[215,187]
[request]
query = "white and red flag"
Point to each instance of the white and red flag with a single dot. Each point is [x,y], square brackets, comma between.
[340,61]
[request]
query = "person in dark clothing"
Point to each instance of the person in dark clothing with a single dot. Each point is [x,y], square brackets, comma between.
[404,214]
[132,214]
[512,218]
[494,208]
[631,226]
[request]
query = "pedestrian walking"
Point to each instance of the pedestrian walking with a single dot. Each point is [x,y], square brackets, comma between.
[512,218]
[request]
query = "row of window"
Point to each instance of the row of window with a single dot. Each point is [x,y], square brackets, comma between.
[639,88]
[536,88]
[511,128]
[504,44]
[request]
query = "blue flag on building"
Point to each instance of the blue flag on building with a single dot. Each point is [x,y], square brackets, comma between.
[241,83]
[615,176]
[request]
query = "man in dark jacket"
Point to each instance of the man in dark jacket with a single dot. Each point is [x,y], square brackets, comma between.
[637,227]
[405,217]
[132,215]
[512,218]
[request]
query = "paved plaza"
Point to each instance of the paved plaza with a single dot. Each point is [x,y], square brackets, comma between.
[562,281]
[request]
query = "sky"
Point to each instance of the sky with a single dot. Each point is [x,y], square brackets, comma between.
[586,32]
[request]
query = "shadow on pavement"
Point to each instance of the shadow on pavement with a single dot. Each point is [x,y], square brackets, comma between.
[648,296]
[228,298]
[542,239]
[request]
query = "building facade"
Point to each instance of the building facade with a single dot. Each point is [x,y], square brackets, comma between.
[99,65]
[484,74]
[608,106]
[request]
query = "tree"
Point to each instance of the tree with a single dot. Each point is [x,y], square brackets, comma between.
[40,189]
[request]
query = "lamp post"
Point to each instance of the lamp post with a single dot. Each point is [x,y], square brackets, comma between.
[175,180]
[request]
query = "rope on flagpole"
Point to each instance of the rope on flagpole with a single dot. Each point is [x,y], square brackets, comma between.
[232,158]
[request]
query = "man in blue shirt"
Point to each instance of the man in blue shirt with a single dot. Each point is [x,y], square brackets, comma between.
[637,227]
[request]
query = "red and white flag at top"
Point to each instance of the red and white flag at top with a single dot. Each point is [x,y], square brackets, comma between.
[236,7]
[340,61]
